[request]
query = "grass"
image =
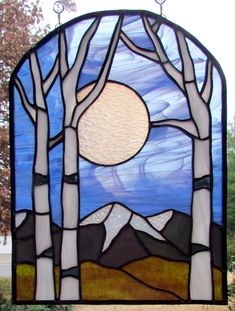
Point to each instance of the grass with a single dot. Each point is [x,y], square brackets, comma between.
[6,304]
[5,288]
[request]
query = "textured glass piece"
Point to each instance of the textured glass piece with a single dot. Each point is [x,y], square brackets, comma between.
[116,220]
[72,284]
[199,272]
[98,217]
[118,162]
[202,158]
[128,121]
[41,198]
[140,224]
[20,217]
[201,219]
[69,239]
[45,272]
[70,198]
[42,228]
[160,221]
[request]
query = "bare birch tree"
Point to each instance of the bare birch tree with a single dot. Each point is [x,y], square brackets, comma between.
[73,111]
[38,113]
[198,127]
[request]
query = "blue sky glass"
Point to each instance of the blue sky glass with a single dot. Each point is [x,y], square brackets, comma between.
[159,177]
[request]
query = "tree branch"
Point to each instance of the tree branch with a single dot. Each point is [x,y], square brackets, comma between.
[186,125]
[161,54]
[95,92]
[155,27]
[83,48]
[156,42]
[54,141]
[50,78]
[148,54]
[69,82]
[37,80]
[197,105]
[208,83]
[188,66]
[30,110]
[63,54]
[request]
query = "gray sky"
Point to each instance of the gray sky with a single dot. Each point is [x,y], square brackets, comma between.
[212,22]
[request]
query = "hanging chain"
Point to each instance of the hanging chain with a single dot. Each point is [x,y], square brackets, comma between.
[160,2]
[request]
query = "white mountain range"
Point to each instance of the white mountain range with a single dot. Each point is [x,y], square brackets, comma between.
[115,216]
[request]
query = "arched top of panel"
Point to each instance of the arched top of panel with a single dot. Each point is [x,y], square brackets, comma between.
[133,18]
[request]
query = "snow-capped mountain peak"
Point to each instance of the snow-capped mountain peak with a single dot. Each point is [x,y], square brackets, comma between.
[115,216]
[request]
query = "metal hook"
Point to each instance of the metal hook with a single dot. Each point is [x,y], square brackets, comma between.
[58,8]
[160,2]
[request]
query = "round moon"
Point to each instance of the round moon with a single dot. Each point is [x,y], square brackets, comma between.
[115,127]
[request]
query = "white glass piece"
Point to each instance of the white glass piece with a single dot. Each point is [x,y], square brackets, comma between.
[201,280]
[41,164]
[41,199]
[97,217]
[160,221]
[70,156]
[201,158]
[187,61]
[45,279]
[69,289]
[199,110]
[39,98]
[201,217]
[43,233]
[174,74]
[19,218]
[117,219]
[70,200]
[69,249]
[140,224]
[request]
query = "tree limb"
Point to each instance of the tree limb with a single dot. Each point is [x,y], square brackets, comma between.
[197,105]
[95,92]
[83,47]
[208,83]
[148,54]
[156,42]
[161,54]
[37,80]
[186,125]
[29,108]
[63,54]
[69,82]
[156,26]
[187,62]
[54,141]
[50,78]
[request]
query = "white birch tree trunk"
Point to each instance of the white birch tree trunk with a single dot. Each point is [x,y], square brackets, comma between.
[45,288]
[70,289]
[199,128]
[70,204]
[44,270]
[201,266]
[200,279]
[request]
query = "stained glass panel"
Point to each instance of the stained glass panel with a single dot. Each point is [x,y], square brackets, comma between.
[118,165]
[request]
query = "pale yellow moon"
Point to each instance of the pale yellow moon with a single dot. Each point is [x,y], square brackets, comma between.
[115,127]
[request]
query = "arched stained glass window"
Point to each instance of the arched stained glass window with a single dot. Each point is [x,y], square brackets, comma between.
[118,165]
